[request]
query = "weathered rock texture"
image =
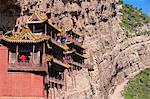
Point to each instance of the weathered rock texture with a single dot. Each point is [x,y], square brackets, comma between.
[113,57]
[9,12]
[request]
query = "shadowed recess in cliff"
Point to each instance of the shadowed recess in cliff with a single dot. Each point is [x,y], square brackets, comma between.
[9,12]
[73,1]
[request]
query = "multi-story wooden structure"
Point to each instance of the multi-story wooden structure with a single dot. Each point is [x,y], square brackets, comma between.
[41,51]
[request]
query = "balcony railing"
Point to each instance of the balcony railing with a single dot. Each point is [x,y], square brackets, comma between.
[63,46]
[26,66]
[90,67]
[57,81]
[74,41]
[61,62]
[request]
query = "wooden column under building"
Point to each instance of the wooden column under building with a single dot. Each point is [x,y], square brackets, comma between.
[50,90]
[65,80]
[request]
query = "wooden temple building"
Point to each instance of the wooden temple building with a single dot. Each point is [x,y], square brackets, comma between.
[35,59]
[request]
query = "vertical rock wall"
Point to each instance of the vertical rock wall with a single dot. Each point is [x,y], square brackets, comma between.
[113,57]
[9,12]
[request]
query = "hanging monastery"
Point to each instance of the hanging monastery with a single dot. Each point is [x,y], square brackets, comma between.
[35,59]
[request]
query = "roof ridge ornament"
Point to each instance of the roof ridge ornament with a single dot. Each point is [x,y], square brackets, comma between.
[36,17]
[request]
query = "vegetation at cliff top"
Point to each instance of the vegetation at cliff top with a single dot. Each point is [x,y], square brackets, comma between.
[139,87]
[131,18]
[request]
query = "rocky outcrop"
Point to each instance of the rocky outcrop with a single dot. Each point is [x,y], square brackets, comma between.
[9,12]
[113,57]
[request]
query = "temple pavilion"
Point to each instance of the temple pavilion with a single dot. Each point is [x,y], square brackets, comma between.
[42,48]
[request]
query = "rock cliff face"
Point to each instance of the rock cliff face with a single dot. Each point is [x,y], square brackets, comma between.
[9,12]
[113,57]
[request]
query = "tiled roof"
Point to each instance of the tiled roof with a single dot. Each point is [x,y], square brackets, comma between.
[26,36]
[39,18]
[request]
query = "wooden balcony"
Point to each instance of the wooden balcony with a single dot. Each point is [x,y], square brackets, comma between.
[55,26]
[76,63]
[80,55]
[73,41]
[61,63]
[89,67]
[57,81]
[64,47]
[27,67]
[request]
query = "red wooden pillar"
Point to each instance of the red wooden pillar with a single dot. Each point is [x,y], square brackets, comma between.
[43,49]
[17,48]
[33,54]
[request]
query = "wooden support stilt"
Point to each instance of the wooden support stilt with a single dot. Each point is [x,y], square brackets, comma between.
[65,79]
[76,69]
[54,91]
[71,69]
[54,84]
[72,79]
[50,90]
[75,81]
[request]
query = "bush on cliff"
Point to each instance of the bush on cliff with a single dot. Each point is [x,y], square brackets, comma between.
[139,87]
[131,18]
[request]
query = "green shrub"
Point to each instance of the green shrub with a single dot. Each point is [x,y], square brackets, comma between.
[132,18]
[139,87]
